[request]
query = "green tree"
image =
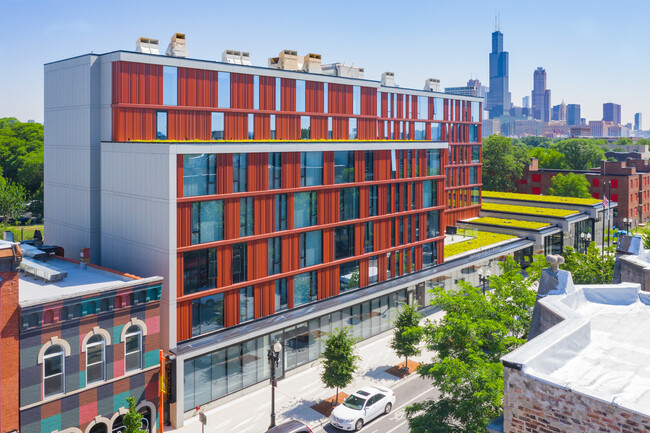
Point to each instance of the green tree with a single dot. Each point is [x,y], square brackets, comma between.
[643,142]
[407,334]
[12,199]
[580,153]
[569,185]
[593,267]
[501,166]
[548,158]
[536,141]
[475,332]
[132,419]
[21,153]
[339,359]
[623,141]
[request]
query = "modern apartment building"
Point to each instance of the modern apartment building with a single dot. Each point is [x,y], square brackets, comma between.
[262,195]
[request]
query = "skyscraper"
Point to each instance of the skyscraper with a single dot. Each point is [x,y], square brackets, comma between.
[559,112]
[498,100]
[541,96]
[612,113]
[573,114]
[525,102]
[637,122]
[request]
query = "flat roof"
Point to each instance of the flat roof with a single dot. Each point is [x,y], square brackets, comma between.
[528,210]
[542,198]
[78,282]
[600,349]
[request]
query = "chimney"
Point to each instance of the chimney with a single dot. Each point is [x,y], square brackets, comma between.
[177,46]
[432,84]
[147,45]
[312,64]
[388,79]
[287,60]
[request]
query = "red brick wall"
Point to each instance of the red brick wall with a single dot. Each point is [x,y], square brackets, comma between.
[533,406]
[9,329]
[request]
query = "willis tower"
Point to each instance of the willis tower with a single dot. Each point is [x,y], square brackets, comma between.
[498,100]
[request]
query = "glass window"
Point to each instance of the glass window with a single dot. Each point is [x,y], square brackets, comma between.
[476,154]
[278,94]
[390,100]
[199,270]
[239,255]
[370,165]
[438,107]
[199,174]
[218,126]
[281,297]
[372,200]
[433,224]
[133,349]
[161,125]
[378,104]
[476,195]
[476,112]
[280,212]
[207,221]
[329,128]
[275,255]
[429,194]
[305,288]
[356,100]
[473,130]
[433,162]
[369,236]
[349,203]
[352,126]
[472,175]
[343,166]
[300,95]
[246,304]
[435,132]
[273,130]
[326,98]
[373,270]
[256,92]
[423,108]
[239,172]
[305,127]
[53,371]
[311,168]
[251,126]
[311,248]
[246,217]
[409,160]
[344,242]
[234,366]
[420,131]
[275,170]
[207,314]
[349,276]
[305,206]
[170,85]
[95,359]
[223,91]
[219,375]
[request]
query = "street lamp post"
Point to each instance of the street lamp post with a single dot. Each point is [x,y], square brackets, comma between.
[483,275]
[274,361]
[627,222]
[586,240]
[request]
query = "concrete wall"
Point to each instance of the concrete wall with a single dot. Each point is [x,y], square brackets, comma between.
[634,270]
[532,406]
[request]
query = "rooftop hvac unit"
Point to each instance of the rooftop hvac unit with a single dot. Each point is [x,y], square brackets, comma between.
[312,64]
[236,57]
[432,85]
[42,271]
[287,60]
[147,45]
[388,79]
[343,70]
[177,46]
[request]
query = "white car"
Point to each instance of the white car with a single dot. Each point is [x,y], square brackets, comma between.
[361,407]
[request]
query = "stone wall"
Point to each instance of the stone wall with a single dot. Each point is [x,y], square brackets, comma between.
[631,269]
[533,406]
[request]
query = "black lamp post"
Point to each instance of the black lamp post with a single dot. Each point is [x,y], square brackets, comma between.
[274,361]
[586,240]
[627,222]
[483,275]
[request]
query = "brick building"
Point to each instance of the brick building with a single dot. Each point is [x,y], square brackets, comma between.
[626,183]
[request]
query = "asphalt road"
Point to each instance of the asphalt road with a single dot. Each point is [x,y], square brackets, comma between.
[407,392]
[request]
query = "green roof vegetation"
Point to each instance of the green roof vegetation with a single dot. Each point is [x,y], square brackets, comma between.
[510,223]
[528,210]
[543,198]
[482,239]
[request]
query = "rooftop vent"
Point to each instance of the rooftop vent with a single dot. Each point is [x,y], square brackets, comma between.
[388,79]
[236,57]
[343,70]
[147,45]
[42,271]
[432,85]
[287,60]
[177,46]
[312,64]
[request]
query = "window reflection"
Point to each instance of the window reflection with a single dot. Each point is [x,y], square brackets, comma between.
[300,95]
[161,125]
[223,89]
[311,168]
[170,85]
[343,166]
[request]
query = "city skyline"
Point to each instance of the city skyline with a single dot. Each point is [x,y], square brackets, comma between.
[61,30]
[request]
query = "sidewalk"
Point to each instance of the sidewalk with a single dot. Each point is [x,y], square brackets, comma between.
[295,395]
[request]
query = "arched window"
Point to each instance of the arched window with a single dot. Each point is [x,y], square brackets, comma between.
[53,371]
[95,359]
[133,348]
[99,428]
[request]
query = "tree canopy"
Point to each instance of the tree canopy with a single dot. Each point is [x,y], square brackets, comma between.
[548,158]
[502,163]
[580,153]
[569,185]
[339,359]
[132,420]
[407,333]
[593,267]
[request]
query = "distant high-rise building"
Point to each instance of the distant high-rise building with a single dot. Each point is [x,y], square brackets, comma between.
[473,88]
[498,100]
[637,122]
[525,102]
[573,114]
[559,112]
[541,96]
[612,113]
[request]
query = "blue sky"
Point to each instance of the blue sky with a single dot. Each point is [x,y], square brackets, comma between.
[593,51]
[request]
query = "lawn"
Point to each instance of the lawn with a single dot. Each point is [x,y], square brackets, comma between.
[528,210]
[24,233]
[541,198]
[482,239]
[532,225]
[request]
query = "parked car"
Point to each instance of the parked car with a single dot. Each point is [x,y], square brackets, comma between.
[361,407]
[292,426]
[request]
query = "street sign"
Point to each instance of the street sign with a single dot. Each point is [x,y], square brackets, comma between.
[203,418]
